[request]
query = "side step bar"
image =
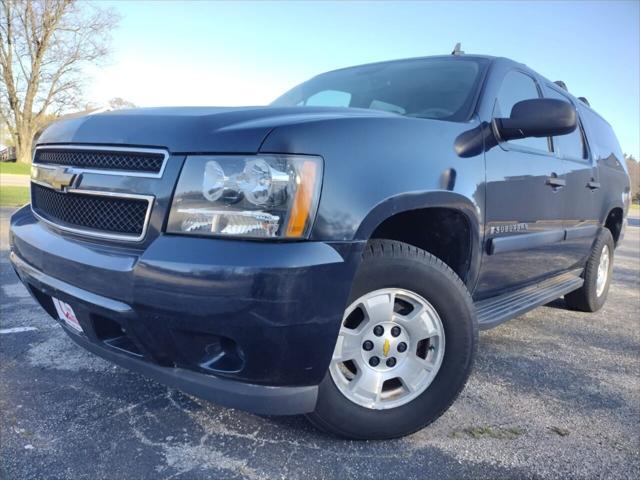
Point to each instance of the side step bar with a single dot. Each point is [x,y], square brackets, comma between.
[493,311]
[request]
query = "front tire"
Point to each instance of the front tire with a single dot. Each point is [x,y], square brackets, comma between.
[405,349]
[597,276]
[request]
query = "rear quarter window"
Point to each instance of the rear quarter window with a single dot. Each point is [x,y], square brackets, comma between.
[602,140]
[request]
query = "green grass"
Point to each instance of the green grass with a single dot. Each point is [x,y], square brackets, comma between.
[13,196]
[15,168]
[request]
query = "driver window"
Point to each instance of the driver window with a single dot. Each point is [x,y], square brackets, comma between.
[517,86]
[570,145]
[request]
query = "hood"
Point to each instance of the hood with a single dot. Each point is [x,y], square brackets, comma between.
[191,129]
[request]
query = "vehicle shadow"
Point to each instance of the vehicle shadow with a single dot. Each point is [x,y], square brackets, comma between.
[558,303]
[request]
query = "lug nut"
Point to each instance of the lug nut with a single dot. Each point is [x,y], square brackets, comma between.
[374,361]
[368,345]
[402,347]
[391,362]
[395,331]
[378,330]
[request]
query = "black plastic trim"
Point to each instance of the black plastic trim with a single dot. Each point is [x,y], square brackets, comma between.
[261,399]
[496,310]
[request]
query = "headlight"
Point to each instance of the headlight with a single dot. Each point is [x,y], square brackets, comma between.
[273,196]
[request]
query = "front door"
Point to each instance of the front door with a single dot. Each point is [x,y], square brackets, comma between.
[525,201]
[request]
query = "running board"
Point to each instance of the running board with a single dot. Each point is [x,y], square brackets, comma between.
[493,311]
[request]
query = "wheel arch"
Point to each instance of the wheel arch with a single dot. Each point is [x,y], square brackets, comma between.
[614,221]
[443,214]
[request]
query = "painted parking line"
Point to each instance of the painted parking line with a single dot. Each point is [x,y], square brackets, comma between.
[16,330]
[15,290]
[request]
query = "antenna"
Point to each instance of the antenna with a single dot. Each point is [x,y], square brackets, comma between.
[456,50]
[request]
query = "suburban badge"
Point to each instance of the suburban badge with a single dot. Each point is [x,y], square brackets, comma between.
[508,228]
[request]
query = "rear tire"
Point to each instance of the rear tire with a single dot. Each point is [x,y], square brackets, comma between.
[391,266]
[593,294]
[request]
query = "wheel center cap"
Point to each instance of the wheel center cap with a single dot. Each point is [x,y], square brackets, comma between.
[385,346]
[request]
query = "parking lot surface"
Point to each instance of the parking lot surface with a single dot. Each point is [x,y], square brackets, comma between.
[554,394]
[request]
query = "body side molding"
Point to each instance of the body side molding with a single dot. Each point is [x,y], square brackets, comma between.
[524,241]
[581,232]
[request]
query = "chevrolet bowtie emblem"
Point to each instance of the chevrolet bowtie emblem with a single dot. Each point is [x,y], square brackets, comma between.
[386,347]
[56,177]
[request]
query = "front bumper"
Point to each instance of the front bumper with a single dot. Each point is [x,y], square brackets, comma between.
[244,324]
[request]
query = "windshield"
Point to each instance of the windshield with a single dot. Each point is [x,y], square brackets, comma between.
[428,88]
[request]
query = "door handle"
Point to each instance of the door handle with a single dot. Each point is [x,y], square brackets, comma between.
[593,185]
[555,182]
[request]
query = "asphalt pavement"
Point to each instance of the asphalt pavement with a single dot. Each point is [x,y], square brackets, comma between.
[554,394]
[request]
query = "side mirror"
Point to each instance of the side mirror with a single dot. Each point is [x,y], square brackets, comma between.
[538,117]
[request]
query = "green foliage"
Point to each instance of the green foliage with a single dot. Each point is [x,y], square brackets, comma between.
[634,176]
[15,168]
[13,196]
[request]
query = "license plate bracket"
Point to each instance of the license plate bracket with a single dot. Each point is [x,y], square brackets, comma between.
[66,314]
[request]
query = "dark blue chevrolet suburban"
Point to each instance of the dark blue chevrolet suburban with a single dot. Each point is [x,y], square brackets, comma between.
[334,253]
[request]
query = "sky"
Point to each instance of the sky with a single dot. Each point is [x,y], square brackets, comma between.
[248,53]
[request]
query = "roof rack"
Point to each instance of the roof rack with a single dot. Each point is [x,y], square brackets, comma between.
[562,85]
[585,101]
[457,50]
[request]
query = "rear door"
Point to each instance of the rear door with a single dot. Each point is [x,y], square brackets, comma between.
[525,201]
[582,191]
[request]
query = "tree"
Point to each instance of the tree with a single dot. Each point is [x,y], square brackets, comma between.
[634,176]
[5,136]
[118,103]
[44,45]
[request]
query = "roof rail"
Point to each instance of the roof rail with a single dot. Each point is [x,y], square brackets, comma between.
[457,50]
[585,101]
[562,85]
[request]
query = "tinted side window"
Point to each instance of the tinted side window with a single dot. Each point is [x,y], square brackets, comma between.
[517,86]
[602,140]
[572,144]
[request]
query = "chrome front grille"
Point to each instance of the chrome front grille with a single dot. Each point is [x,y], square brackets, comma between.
[92,213]
[108,160]
[69,191]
